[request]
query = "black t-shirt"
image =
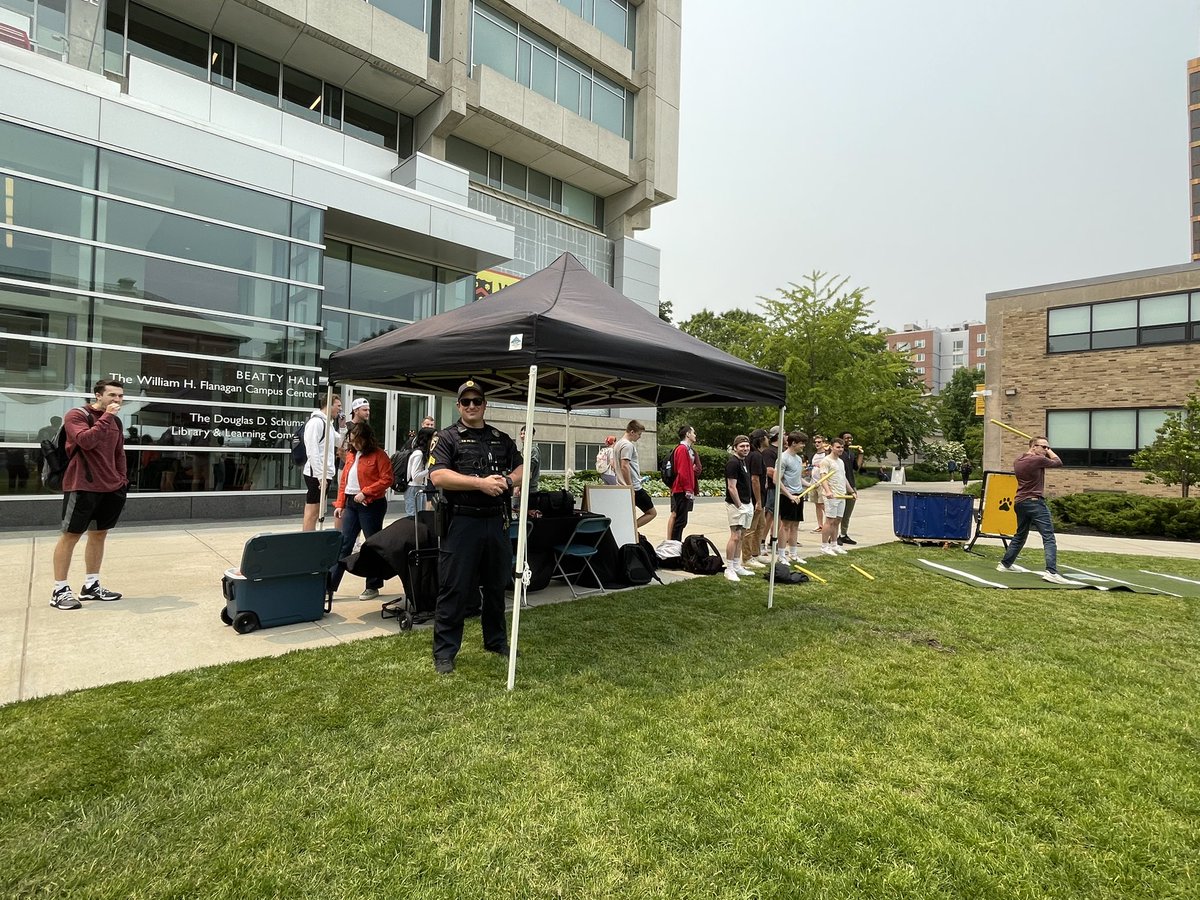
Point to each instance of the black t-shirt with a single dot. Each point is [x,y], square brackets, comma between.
[850,458]
[736,469]
[770,456]
[757,469]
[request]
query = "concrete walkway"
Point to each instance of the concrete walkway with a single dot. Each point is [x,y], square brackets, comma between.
[170,575]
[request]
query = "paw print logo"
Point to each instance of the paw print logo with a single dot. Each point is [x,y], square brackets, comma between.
[1006,504]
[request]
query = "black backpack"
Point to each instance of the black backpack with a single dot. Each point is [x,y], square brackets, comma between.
[667,470]
[785,574]
[55,458]
[701,556]
[299,451]
[637,563]
[400,470]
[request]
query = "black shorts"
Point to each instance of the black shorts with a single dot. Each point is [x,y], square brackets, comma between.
[314,489]
[643,500]
[99,510]
[681,503]
[790,510]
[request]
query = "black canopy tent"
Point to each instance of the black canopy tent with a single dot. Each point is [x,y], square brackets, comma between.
[593,348]
[564,338]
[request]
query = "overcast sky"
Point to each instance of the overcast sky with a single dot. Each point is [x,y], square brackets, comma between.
[932,150]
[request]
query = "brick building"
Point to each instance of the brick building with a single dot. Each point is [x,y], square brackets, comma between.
[1095,365]
[937,353]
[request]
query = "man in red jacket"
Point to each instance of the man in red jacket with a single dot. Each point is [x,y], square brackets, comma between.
[94,487]
[683,489]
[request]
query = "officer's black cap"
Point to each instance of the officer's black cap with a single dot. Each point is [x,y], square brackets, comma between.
[471,385]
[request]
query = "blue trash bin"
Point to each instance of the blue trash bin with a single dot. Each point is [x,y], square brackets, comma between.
[920,516]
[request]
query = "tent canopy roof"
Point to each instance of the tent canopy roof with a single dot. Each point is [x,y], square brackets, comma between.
[593,348]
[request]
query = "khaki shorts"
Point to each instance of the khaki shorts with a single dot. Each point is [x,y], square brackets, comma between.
[740,516]
[834,508]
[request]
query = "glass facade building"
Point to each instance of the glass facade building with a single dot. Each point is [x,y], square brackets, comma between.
[207,200]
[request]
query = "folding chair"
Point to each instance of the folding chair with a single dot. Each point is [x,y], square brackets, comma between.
[583,544]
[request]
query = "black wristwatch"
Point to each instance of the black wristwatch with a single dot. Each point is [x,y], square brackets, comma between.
[508,481]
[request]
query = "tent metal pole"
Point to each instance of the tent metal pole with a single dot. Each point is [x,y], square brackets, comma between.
[521,567]
[781,440]
[328,408]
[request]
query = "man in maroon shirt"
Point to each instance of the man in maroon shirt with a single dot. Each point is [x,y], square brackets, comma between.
[94,487]
[1031,509]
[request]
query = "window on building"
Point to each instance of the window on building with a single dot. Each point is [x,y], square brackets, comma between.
[148,34]
[1194,88]
[47,28]
[501,44]
[981,338]
[1102,438]
[528,184]
[957,346]
[553,456]
[614,17]
[585,456]
[920,370]
[980,352]
[1122,323]
[919,357]
[919,344]
[424,15]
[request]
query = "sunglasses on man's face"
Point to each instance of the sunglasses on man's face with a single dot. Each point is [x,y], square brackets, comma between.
[471,401]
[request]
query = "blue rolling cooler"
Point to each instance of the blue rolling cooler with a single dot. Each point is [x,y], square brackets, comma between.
[931,517]
[283,579]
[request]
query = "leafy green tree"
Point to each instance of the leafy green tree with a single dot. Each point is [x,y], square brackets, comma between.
[1174,456]
[742,334]
[666,310]
[956,406]
[840,374]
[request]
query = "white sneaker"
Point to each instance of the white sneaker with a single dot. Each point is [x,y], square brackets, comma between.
[764,558]
[797,559]
[743,571]
[368,594]
[1001,567]
[731,575]
[1055,578]
[754,563]
[839,550]
[828,550]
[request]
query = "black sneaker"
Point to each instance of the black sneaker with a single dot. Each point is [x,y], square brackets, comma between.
[64,598]
[846,539]
[443,665]
[95,592]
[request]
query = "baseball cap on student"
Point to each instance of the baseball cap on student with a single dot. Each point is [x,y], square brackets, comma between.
[773,432]
[359,404]
[470,385]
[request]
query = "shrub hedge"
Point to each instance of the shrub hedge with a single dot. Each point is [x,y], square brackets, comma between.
[1129,514]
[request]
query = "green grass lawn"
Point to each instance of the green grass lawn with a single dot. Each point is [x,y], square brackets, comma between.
[907,737]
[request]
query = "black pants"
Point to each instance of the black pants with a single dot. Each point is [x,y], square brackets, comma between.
[681,505]
[476,554]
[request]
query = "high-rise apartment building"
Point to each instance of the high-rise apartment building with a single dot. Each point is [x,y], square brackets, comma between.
[937,353]
[206,198]
[1194,150]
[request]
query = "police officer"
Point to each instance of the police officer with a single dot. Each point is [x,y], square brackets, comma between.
[475,466]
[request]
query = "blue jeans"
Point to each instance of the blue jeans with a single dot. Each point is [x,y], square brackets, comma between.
[414,499]
[1033,513]
[357,517]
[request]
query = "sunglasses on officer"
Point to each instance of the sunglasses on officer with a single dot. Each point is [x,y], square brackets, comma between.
[471,401]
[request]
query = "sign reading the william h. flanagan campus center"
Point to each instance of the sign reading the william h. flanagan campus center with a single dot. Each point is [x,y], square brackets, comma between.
[231,385]
[152,406]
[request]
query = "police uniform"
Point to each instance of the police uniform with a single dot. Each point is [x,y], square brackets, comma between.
[477,550]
